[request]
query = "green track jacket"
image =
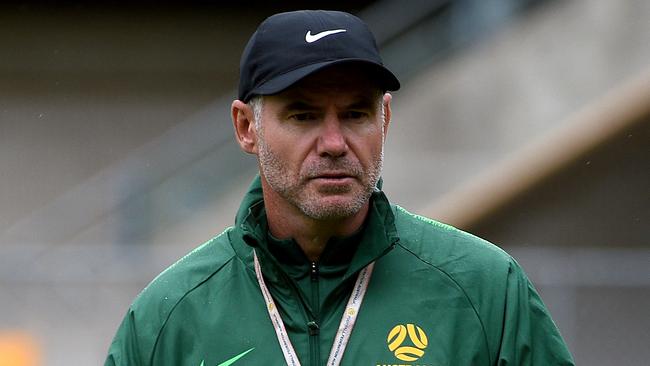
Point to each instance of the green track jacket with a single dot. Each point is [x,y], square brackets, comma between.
[437,297]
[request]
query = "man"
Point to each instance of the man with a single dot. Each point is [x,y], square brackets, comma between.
[319,267]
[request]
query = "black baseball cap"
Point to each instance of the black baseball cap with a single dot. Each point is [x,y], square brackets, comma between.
[286,47]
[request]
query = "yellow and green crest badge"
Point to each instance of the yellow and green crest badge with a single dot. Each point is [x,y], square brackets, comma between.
[410,351]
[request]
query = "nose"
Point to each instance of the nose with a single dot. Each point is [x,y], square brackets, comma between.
[331,141]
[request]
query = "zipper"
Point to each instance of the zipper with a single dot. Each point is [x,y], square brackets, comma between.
[312,325]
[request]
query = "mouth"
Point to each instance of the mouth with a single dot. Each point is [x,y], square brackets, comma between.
[334,179]
[333,176]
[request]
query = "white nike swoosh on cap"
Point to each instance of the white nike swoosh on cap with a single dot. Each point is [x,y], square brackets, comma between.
[315,37]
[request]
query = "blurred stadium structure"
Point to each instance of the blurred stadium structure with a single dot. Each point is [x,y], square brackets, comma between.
[526,122]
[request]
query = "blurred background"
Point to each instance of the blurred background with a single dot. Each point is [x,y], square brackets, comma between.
[526,122]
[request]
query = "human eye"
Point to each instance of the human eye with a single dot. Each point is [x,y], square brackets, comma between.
[303,116]
[355,115]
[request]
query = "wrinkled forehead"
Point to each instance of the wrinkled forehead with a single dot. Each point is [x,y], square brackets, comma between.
[342,81]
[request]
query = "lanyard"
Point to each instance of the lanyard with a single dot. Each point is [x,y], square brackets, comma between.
[345,327]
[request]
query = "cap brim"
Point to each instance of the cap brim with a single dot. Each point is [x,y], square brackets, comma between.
[386,79]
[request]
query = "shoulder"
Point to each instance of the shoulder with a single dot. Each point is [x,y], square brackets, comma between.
[497,288]
[137,335]
[473,264]
[438,243]
[188,272]
[153,306]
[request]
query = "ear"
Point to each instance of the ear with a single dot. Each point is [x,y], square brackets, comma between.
[244,122]
[387,112]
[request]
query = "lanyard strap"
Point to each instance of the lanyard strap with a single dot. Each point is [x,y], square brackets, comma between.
[345,327]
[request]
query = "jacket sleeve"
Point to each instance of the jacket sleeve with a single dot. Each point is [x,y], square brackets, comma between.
[124,349]
[529,336]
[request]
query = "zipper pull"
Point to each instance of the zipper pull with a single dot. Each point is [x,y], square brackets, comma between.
[313,327]
[314,271]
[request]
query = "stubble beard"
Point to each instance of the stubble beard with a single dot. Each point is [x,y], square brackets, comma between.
[314,204]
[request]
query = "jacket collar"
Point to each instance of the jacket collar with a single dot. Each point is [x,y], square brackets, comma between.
[379,234]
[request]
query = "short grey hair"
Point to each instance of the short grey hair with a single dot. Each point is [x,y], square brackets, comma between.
[257,105]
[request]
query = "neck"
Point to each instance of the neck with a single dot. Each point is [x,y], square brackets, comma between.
[287,221]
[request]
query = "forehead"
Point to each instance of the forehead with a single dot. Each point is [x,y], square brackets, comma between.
[340,82]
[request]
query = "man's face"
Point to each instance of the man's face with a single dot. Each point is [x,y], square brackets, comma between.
[320,143]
